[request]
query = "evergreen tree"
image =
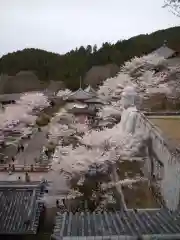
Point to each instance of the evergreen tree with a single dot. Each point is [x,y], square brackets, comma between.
[70,66]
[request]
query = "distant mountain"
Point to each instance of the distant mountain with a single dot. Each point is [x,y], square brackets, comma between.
[21,82]
[97,74]
[70,66]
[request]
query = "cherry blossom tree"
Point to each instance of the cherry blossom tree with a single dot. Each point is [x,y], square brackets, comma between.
[109,145]
[101,147]
[63,93]
[148,74]
[21,111]
[125,140]
[138,72]
[174,6]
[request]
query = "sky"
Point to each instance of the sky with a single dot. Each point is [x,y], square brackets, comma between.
[62,25]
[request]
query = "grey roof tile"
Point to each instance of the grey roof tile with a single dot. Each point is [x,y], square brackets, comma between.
[89,89]
[19,208]
[9,97]
[164,51]
[94,100]
[80,94]
[142,223]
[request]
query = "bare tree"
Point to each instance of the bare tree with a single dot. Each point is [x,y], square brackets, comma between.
[173,5]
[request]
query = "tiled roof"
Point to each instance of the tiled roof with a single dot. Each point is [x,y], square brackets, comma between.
[94,100]
[9,97]
[173,62]
[90,110]
[19,208]
[144,223]
[80,94]
[164,51]
[89,89]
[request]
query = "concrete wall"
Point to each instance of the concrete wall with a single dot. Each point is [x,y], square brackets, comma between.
[166,162]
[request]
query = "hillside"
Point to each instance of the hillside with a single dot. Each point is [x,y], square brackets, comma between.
[69,67]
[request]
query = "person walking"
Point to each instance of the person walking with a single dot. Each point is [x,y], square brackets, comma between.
[22,147]
[18,148]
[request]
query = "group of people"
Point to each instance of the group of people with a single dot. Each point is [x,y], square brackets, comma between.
[11,168]
[20,148]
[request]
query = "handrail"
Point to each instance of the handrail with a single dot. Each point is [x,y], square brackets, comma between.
[26,168]
[173,149]
[26,165]
[175,113]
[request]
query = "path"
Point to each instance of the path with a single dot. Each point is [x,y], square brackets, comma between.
[33,148]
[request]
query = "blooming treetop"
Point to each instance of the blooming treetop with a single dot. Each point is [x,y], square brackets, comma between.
[136,78]
[33,100]
[143,73]
[63,93]
[138,72]
[101,147]
[22,109]
[115,109]
[64,124]
[124,139]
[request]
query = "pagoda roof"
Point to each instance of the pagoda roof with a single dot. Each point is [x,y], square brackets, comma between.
[9,97]
[89,89]
[164,51]
[157,223]
[90,110]
[94,100]
[80,94]
[19,207]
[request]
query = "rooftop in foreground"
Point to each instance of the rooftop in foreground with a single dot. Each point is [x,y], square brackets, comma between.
[169,126]
[143,224]
[20,207]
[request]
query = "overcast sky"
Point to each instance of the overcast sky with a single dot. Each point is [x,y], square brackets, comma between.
[61,25]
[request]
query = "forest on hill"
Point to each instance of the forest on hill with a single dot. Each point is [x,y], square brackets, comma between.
[70,66]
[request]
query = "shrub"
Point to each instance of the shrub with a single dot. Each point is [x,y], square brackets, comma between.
[50,147]
[43,120]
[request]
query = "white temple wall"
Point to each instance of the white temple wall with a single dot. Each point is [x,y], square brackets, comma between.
[169,172]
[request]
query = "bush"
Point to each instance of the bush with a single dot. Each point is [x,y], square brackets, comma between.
[50,147]
[43,120]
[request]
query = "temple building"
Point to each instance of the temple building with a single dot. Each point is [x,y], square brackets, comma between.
[79,95]
[20,208]
[9,98]
[85,101]
[89,89]
[88,95]
[165,52]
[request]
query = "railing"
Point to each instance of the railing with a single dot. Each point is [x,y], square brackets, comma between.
[169,155]
[24,168]
[177,113]
[159,139]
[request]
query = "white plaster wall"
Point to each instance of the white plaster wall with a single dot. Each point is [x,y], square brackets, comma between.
[170,184]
